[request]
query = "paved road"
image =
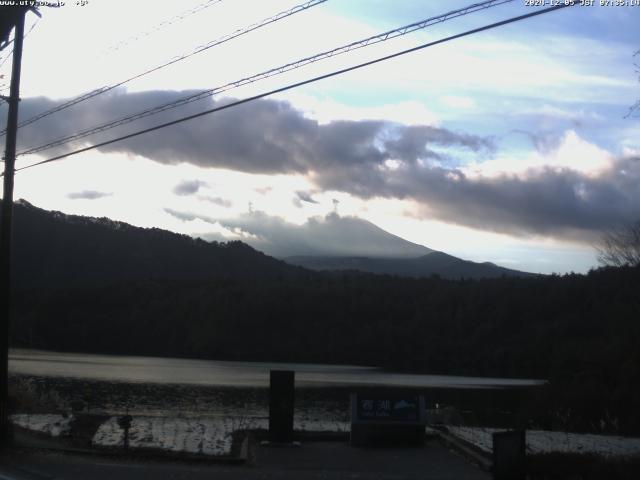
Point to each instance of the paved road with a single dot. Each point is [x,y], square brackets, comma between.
[313,460]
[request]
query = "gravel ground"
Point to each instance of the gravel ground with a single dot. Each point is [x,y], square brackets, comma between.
[540,442]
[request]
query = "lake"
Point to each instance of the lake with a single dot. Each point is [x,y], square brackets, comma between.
[129,369]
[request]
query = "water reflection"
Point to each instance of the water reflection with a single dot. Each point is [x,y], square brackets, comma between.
[224,373]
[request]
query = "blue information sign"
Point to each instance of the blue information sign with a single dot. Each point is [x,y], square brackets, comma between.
[388,408]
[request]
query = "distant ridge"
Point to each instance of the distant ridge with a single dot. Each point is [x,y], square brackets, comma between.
[434,263]
[330,236]
[57,250]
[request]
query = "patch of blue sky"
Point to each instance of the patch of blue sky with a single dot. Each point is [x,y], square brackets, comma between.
[577,21]
[531,259]
[383,12]
[453,156]
[369,96]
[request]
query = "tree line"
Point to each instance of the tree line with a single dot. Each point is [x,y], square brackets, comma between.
[579,331]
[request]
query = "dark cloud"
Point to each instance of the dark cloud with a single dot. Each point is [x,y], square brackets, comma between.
[185,216]
[264,136]
[303,197]
[551,202]
[543,142]
[188,187]
[409,144]
[221,202]
[269,136]
[88,195]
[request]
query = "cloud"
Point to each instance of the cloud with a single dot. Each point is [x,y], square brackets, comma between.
[212,229]
[572,190]
[265,136]
[185,216]
[577,117]
[559,150]
[545,125]
[331,235]
[221,202]
[303,197]
[546,201]
[188,187]
[543,142]
[88,195]
[326,110]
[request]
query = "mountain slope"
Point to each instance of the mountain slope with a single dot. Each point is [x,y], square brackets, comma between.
[331,235]
[55,250]
[58,250]
[434,263]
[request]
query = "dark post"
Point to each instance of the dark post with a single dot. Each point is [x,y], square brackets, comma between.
[509,455]
[281,401]
[5,223]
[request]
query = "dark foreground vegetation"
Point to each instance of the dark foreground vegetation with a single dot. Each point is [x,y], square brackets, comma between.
[100,286]
[562,466]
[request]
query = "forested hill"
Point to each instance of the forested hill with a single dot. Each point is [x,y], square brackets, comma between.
[52,249]
[66,251]
[93,285]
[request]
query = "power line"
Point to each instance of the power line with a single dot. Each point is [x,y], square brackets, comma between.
[4,60]
[269,73]
[5,87]
[382,37]
[165,23]
[213,43]
[304,82]
[237,33]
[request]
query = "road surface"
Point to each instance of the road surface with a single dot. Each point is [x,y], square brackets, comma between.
[312,460]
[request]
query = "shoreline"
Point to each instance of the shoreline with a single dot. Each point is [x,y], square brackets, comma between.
[39,394]
[109,367]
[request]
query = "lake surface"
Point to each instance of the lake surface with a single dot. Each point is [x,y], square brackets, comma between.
[154,370]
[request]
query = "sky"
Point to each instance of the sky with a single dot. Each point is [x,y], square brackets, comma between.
[513,145]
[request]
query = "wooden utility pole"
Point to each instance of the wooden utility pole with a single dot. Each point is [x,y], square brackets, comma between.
[5,223]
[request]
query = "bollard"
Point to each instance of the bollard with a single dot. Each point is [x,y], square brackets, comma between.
[509,455]
[281,401]
[124,422]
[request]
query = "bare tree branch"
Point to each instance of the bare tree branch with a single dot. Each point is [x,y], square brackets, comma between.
[620,246]
[635,108]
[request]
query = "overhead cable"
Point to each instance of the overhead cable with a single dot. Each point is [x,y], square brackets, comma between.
[165,23]
[237,33]
[304,82]
[267,74]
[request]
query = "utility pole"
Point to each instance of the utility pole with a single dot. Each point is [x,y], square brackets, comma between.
[5,223]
